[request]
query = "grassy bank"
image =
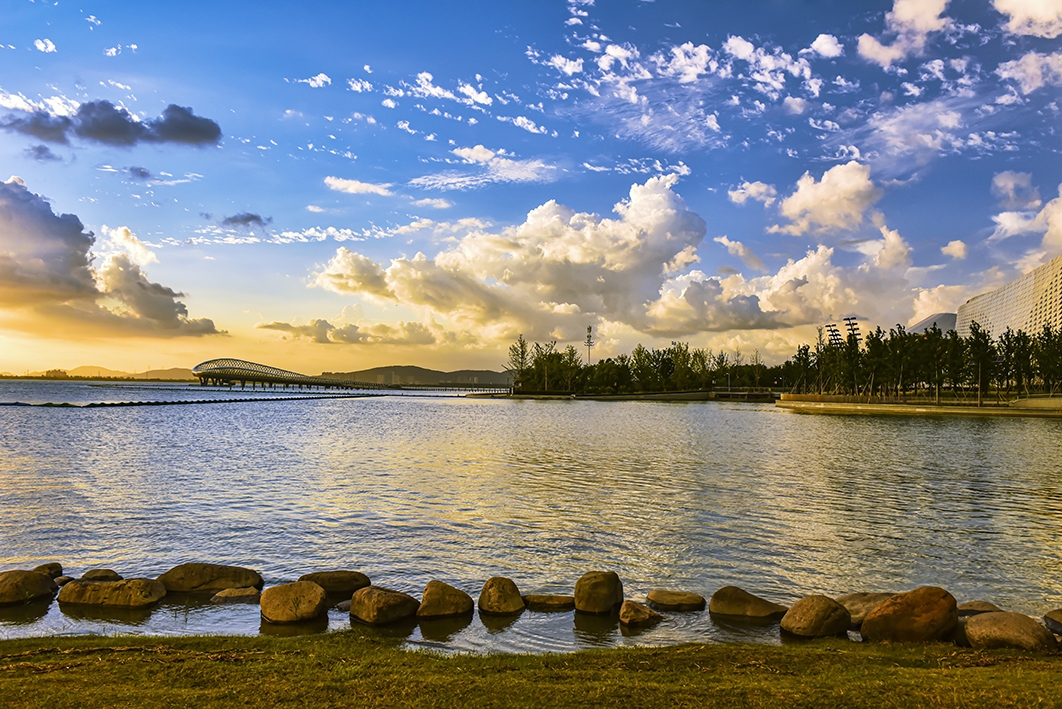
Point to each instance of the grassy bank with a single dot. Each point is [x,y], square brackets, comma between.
[347,669]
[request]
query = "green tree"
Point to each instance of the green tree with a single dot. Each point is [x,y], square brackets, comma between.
[981,358]
[519,360]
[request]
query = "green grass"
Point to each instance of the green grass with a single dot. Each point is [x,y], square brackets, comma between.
[348,669]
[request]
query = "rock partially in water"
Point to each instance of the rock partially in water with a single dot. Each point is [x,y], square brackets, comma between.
[1053,621]
[816,617]
[598,592]
[250,594]
[500,596]
[126,593]
[926,614]
[976,608]
[52,569]
[338,582]
[1003,629]
[739,603]
[549,602]
[197,577]
[296,602]
[100,575]
[675,600]
[859,604]
[637,615]
[343,606]
[441,600]
[63,580]
[18,586]
[379,606]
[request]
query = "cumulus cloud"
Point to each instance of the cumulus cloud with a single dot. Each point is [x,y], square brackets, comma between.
[123,240]
[911,22]
[565,65]
[325,333]
[1038,18]
[316,82]
[340,184]
[837,202]
[48,282]
[736,248]
[955,249]
[44,45]
[1015,190]
[758,191]
[795,105]
[1033,71]
[825,45]
[103,122]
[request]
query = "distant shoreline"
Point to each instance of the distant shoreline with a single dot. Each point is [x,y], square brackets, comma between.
[835,408]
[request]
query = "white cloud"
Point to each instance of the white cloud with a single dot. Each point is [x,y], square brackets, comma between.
[474,95]
[44,45]
[565,65]
[796,106]
[494,168]
[1033,71]
[476,154]
[433,203]
[955,249]
[941,299]
[316,82]
[122,240]
[1039,18]
[357,187]
[388,103]
[911,21]
[687,62]
[314,208]
[758,191]
[837,202]
[825,45]
[736,248]
[359,85]
[1015,190]
[525,123]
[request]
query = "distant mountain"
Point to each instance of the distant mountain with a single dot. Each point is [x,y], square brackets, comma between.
[407,374]
[173,374]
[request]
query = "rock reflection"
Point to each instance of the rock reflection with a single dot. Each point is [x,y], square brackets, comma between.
[290,630]
[597,630]
[393,632]
[443,630]
[25,614]
[498,623]
[110,614]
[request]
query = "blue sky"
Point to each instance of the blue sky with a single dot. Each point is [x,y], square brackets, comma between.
[406,182]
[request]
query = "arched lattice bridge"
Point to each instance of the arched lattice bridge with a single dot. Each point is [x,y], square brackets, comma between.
[230,372]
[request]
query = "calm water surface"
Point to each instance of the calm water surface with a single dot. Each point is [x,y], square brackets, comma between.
[689,496]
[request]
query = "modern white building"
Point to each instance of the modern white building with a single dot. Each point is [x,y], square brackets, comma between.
[1027,304]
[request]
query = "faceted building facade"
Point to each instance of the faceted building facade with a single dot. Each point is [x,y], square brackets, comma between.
[1027,304]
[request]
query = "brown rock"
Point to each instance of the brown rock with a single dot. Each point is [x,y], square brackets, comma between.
[63,580]
[926,614]
[249,594]
[636,615]
[377,606]
[1053,621]
[17,587]
[100,575]
[441,600]
[295,602]
[859,604]
[976,608]
[675,600]
[1008,630]
[598,592]
[338,582]
[52,569]
[549,602]
[200,577]
[500,596]
[816,617]
[127,593]
[733,601]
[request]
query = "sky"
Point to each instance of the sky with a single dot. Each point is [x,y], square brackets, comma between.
[336,186]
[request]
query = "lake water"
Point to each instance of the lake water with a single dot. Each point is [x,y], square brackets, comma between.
[687,496]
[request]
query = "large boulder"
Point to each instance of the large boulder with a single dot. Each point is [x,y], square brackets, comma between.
[926,614]
[500,596]
[636,615]
[378,606]
[249,594]
[343,583]
[100,575]
[19,586]
[127,593]
[549,602]
[1009,630]
[1053,621]
[441,600]
[53,569]
[63,580]
[737,602]
[295,602]
[976,608]
[859,604]
[598,592]
[196,577]
[675,600]
[816,617]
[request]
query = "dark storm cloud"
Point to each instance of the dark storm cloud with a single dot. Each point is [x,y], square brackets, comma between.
[42,153]
[140,173]
[246,220]
[103,122]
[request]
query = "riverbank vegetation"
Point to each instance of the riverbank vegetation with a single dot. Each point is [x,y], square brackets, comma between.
[883,366]
[349,669]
